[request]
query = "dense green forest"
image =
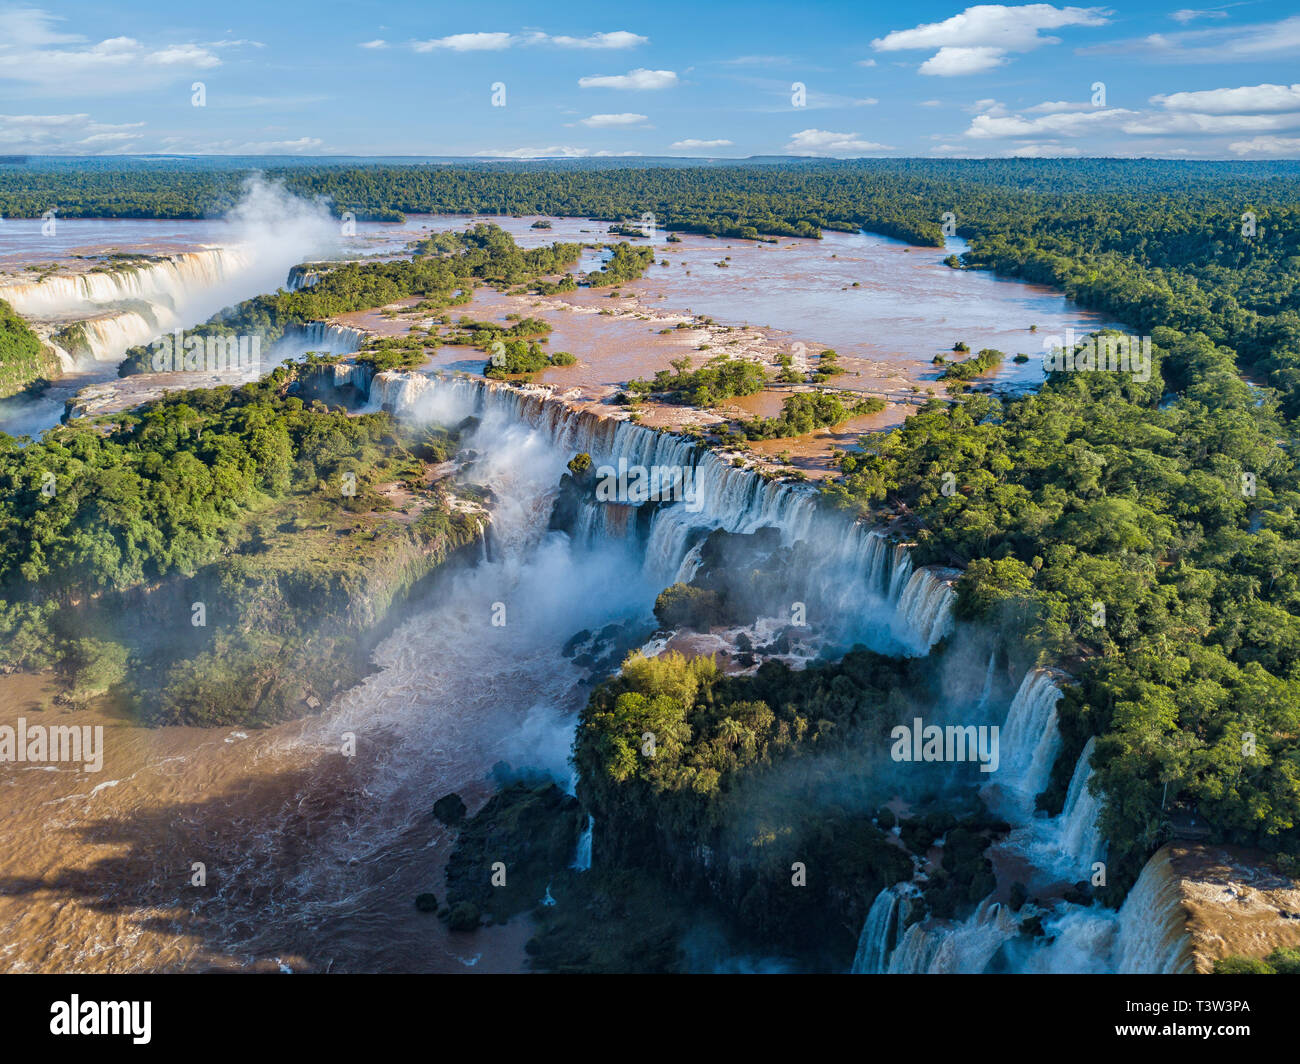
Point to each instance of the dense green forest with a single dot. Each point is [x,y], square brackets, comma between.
[24,360]
[243,533]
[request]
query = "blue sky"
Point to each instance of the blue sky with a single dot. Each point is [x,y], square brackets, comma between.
[665,78]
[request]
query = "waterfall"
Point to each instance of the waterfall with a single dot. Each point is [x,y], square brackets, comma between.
[105,337]
[1030,737]
[1153,922]
[964,948]
[302,276]
[324,338]
[862,581]
[880,931]
[166,282]
[1147,935]
[1079,836]
[925,607]
[582,860]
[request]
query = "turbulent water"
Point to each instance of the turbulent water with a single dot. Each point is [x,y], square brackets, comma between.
[1147,933]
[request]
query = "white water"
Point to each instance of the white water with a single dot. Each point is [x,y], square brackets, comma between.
[1030,740]
[862,587]
[328,339]
[169,283]
[258,241]
[963,948]
[582,860]
[1080,837]
[1147,935]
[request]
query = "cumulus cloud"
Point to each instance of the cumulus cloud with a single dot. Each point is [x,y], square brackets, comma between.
[691,143]
[1247,99]
[1055,106]
[1042,151]
[634,79]
[951,62]
[66,134]
[380,43]
[1063,123]
[1271,147]
[467,42]
[1164,124]
[824,142]
[605,121]
[35,50]
[984,37]
[616,39]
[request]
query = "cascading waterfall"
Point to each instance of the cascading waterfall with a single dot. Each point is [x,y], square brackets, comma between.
[861,577]
[1031,740]
[925,607]
[857,568]
[964,948]
[302,276]
[1148,935]
[328,339]
[166,282]
[1153,922]
[582,860]
[104,337]
[1079,836]
[882,928]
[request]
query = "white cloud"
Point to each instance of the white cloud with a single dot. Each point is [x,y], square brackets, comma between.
[616,39]
[373,44]
[67,134]
[634,79]
[690,143]
[824,142]
[1041,151]
[950,62]
[33,50]
[1245,100]
[467,42]
[1067,123]
[1055,106]
[499,42]
[1161,124]
[1273,147]
[983,37]
[604,121]
[554,152]
[301,146]
[866,62]
[1188,14]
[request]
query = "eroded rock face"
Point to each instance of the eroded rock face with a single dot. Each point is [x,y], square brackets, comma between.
[1238,902]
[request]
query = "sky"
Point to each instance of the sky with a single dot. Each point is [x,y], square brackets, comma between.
[692,79]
